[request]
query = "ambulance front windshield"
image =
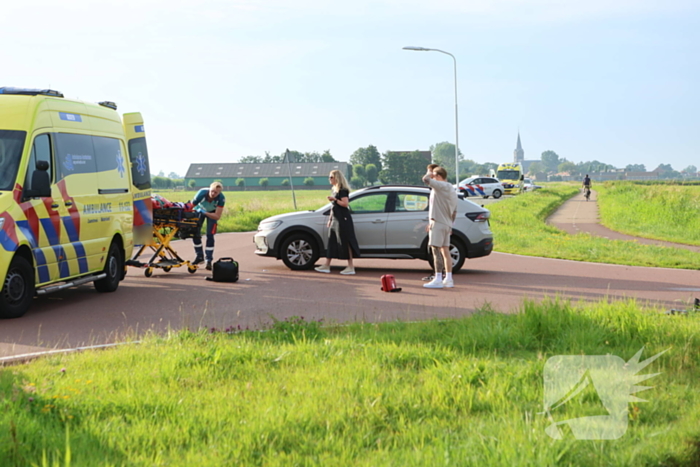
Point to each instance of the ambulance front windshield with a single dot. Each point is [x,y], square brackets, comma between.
[508,175]
[11,145]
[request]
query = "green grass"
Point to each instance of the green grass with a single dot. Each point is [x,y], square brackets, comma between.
[519,227]
[454,392]
[663,212]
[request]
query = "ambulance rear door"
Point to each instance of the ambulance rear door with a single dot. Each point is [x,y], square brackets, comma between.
[140,178]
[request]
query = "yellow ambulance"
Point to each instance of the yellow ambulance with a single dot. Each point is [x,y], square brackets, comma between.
[74,194]
[511,177]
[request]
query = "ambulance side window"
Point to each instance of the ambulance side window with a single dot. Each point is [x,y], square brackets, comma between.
[111,165]
[74,155]
[140,171]
[41,151]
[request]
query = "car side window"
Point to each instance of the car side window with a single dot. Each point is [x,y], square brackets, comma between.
[369,203]
[477,181]
[411,202]
[41,151]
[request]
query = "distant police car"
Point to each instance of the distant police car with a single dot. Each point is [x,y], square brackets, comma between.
[389,222]
[481,186]
[529,185]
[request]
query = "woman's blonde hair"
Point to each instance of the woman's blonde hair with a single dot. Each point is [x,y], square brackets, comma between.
[340,182]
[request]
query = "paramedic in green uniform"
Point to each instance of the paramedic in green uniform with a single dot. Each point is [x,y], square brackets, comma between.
[210,203]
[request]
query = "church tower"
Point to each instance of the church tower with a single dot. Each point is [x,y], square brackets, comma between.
[518,154]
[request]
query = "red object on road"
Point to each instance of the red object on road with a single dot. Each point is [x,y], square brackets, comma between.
[389,283]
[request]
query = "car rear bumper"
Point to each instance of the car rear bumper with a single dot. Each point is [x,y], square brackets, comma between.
[482,248]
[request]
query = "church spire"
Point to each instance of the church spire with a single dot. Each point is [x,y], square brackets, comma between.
[518,154]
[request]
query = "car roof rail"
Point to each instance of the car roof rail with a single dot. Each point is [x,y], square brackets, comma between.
[376,187]
[30,92]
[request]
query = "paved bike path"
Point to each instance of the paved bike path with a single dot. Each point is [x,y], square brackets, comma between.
[580,216]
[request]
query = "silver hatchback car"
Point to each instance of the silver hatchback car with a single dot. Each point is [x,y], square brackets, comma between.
[390,222]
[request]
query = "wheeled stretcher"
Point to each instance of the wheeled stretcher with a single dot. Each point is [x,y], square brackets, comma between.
[168,223]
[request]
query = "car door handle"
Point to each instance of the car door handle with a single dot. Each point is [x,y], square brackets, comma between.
[378,221]
[69,203]
[54,206]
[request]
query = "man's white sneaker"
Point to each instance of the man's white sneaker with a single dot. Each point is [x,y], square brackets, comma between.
[433,284]
[322,269]
[448,283]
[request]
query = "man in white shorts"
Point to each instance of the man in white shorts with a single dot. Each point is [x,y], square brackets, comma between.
[442,213]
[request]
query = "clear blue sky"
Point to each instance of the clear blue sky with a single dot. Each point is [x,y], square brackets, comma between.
[217,80]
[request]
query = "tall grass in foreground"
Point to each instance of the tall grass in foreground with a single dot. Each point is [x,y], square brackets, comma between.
[662,212]
[454,392]
[519,227]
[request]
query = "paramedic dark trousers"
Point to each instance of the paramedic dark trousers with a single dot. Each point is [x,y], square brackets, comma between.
[197,240]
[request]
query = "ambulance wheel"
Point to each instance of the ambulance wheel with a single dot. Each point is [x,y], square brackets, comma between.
[114,266]
[191,269]
[458,254]
[168,268]
[299,252]
[496,193]
[148,272]
[18,289]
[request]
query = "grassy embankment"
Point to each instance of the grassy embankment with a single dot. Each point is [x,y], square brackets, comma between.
[660,211]
[519,227]
[455,392]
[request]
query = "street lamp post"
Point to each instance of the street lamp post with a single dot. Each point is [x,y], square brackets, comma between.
[423,49]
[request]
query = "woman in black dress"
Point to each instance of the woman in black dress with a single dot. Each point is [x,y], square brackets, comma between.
[342,243]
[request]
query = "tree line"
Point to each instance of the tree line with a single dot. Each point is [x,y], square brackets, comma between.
[552,164]
[367,166]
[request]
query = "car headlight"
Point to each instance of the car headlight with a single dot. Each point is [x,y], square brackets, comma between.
[271,225]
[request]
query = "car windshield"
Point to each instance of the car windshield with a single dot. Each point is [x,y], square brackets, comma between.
[508,175]
[11,146]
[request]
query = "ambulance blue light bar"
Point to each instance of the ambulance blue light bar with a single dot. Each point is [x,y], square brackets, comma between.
[108,104]
[30,92]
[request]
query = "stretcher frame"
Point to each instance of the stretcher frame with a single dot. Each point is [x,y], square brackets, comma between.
[168,223]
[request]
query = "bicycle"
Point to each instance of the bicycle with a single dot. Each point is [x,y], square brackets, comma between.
[587,193]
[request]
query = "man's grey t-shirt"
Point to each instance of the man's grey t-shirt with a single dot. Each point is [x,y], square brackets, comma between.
[443,201]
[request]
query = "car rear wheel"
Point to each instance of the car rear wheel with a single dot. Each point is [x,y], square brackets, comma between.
[497,193]
[18,289]
[457,253]
[299,252]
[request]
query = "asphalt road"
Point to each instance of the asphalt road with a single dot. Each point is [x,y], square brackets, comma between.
[267,289]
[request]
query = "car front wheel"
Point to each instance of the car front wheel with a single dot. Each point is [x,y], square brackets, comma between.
[497,193]
[299,252]
[18,289]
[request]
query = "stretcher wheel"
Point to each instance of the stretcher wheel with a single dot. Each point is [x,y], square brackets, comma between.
[191,269]
[168,268]
[148,272]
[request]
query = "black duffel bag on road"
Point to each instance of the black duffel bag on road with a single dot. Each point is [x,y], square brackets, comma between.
[224,270]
